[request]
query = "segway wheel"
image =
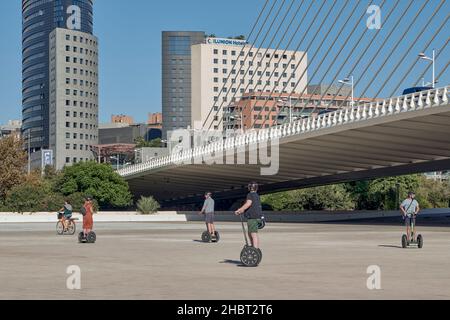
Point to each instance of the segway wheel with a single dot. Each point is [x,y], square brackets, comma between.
[81,238]
[420,241]
[60,228]
[250,256]
[260,256]
[216,238]
[91,237]
[206,237]
[404,241]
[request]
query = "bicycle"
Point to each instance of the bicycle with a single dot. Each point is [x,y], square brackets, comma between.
[71,226]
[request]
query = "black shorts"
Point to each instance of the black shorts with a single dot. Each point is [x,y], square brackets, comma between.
[209,218]
[409,220]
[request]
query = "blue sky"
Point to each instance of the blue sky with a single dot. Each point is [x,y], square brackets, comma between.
[130,46]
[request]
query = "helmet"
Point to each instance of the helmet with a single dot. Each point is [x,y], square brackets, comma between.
[253,187]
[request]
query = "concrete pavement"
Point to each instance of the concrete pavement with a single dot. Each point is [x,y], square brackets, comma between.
[167,261]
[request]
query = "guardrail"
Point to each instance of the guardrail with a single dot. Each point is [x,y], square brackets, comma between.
[364,112]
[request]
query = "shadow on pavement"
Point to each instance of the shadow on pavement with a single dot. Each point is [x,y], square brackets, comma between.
[390,246]
[234,262]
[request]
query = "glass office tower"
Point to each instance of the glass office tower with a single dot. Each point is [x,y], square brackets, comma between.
[176,78]
[39,19]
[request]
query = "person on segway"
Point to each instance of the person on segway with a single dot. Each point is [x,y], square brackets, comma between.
[208,211]
[410,208]
[88,221]
[252,210]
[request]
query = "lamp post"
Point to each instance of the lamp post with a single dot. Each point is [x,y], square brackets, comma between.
[350,81]
[283,101]
[433,61]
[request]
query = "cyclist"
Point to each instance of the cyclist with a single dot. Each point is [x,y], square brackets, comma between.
[410,208]
[66,213]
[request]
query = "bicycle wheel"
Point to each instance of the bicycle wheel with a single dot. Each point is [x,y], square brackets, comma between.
[60,228]
[71,228]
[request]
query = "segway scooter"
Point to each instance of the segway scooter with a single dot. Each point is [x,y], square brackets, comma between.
[413,242]
[90,238]
[208,237]
[250,256]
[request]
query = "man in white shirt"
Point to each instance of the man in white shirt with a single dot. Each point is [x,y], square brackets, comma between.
[410,209]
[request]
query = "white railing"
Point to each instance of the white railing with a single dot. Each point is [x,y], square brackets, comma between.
[389,107]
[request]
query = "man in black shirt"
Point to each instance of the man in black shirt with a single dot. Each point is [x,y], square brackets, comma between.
[253,212]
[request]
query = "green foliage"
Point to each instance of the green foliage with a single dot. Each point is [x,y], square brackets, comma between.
[147,205]
[434,194]
[100,181]
[13,161]
[27,197]
[332,198]
[142,143]
[379,194]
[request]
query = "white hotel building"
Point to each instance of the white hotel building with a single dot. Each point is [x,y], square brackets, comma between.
[219,73]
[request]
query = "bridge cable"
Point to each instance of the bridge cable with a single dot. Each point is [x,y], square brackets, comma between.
[285,33]
[376,73]
[264,54]
[254,41]
[328,51]
[249,53]
[411,67]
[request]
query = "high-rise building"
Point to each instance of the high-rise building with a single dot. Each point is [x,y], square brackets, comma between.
[73,96]
[176,78]
[40,19]
[223,70]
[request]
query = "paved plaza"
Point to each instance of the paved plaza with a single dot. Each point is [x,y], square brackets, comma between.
[168,261]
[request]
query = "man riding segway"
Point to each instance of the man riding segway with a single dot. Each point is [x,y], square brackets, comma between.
[410,208]
[252,209]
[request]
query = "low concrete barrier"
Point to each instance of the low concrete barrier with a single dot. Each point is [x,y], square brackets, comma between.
[274,217]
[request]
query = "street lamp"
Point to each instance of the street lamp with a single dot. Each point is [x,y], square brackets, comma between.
[433,61]
[350,81]
[238,117]
[283,101]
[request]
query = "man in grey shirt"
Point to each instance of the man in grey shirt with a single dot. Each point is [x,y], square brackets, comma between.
[208,211]
[410,209]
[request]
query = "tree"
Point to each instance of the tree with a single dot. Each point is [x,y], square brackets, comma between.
[13,161]
[384,191]
[142,143]
[433,194]
[32,195]
[99,181]
[334,197]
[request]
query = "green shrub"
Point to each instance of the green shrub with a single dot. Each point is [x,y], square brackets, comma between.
[26,198]
[52,203]
[97,180]
[77,201]
[148,205]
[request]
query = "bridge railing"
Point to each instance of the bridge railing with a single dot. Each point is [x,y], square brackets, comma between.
[363,112]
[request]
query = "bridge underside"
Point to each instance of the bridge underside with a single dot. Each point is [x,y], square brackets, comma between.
[403,145]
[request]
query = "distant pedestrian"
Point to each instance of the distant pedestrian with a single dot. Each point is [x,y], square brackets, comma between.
[208,211]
